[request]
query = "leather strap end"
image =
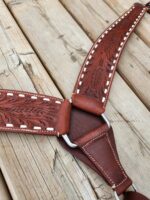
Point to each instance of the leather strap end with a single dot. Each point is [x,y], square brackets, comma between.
[63,122]
[88,104]
[99,146]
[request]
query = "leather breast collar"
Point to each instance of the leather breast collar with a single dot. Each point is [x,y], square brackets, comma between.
[80,123]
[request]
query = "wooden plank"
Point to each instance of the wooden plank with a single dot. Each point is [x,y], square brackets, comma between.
[120,6]
[53,39]
[59,41]
[134,64]
[34,167]
[4,193]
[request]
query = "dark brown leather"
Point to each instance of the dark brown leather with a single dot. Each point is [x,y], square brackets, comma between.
[33,113]
[97,72]
[134,196]
[99,146]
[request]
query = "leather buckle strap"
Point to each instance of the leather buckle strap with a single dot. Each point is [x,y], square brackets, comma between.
[73,145]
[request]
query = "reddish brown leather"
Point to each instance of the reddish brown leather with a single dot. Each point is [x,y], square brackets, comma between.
[33,113]
[40,114]
[97,72]
[99,146]
[134,196]
[92,87]
[87,103]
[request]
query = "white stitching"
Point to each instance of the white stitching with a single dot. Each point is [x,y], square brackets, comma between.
[58,102]
[10,94]
[93,159]
[33,97]
[117,161]
[49,128]
[9,125]
[26,130]
[46,99]
[21,95]
[23,126]
[37,128]
[119,49]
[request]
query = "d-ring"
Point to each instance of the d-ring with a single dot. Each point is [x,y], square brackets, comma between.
[72,145]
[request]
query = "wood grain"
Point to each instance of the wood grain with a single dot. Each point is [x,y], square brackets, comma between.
[40,168]
[33,167]
[4,193]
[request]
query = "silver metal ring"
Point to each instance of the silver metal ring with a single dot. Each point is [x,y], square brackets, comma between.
[116,195]
[72,145]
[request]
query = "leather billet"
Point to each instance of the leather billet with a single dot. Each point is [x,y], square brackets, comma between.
[82,117]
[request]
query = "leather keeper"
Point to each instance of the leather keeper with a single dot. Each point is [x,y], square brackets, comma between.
[64,118]
[99,146]
[88,104]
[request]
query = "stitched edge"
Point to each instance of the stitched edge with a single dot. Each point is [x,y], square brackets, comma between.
[117,161]
[117,54]
[96,163]
[34,96]
[28,130]
[30,94]
[97,42]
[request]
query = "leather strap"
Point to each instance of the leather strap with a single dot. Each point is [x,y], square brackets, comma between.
[134,196]
[95,140]
[41,114]
[99,146]
[94,81]
[33,113]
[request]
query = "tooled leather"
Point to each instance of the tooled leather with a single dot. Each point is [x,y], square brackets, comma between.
[18,108]
[98,69]
[30,112]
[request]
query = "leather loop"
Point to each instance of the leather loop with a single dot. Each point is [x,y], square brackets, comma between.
[88,104]
[134,196]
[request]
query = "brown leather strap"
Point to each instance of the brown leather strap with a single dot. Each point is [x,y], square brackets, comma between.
[41,114]
[94,81]
[96,145]
[134,196]
[33,113]
[99,146]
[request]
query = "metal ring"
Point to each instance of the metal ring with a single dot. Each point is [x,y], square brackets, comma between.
[72,145]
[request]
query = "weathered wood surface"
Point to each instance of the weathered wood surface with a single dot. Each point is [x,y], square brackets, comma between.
[4,193]
[48,40]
